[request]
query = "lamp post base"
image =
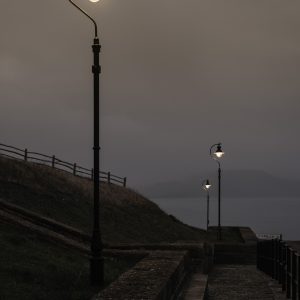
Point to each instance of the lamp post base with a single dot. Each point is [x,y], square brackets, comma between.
[96,271]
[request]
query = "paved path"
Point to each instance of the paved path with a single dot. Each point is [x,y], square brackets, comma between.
[195,290]
[241,282]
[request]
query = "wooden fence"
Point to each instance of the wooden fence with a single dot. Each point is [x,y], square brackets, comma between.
[279,260]
[56,163]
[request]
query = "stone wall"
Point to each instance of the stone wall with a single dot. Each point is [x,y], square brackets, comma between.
[237,253]
[159,275]
[248,235]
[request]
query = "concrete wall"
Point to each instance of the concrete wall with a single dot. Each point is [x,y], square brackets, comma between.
[161,274]
[158,276]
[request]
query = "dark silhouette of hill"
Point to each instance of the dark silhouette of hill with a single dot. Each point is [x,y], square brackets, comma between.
[126,216]
[235,183]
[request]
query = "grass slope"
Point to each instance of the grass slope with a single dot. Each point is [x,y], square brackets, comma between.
[126,216]
[31,268]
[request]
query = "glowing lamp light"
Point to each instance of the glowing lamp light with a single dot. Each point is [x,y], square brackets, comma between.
[219,153]
[94,0]
[207,185]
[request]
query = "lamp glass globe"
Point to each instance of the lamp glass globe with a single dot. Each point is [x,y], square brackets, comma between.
[219,154]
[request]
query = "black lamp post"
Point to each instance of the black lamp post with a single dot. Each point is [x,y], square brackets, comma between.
[96,260]
[206,186]
[216,155]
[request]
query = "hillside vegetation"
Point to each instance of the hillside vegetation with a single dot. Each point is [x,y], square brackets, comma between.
[126,216]
[33,268]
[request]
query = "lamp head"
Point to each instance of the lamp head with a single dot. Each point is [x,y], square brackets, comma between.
[219,153]
[206,185]
[94,0]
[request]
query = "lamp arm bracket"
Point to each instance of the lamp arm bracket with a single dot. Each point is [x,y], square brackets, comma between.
[86,14]
[210,150]
[211,155]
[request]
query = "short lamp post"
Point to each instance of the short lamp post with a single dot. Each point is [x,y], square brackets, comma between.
[206,186]
[96,260]
[216,153]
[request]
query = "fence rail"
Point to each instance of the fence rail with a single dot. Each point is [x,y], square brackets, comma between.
[280,261]
[56,163]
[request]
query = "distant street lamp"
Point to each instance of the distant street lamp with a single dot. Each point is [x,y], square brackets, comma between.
[96,260]
[206,186]
[216,155]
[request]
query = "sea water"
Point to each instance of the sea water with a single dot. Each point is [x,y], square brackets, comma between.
[263,215]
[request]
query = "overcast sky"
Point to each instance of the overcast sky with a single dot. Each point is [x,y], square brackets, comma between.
[178,76]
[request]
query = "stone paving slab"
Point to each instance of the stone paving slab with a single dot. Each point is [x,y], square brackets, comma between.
[240,282]
[197,287]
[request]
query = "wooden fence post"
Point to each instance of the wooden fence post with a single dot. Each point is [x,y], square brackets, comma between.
[53,161]
[280,270]
[276,259]
[108,177]
[294,274]
[262,253]
[25,154]
[257,255]
[284,267]
[74,169]
[288,272]
[298,276]
[273,256]
[125,181]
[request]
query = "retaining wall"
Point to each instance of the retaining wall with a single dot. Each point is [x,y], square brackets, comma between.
[237,253]
[158,276]
[161,274]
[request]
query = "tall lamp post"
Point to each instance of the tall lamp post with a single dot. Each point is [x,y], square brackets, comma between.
[216,153]
[96,260]
[206,186]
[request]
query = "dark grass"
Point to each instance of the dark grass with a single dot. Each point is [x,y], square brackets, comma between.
[31,268]
[126,216]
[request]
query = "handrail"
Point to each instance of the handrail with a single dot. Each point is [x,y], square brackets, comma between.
[62,161]
[56,163]
[38,159]
[14,152]
[11,147]
[85,169]
[280,261]
[115,176]
[36,153]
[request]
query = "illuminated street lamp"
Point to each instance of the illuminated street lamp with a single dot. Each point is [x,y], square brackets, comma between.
[219,153]
[216,153]
[96,260]
[206,186]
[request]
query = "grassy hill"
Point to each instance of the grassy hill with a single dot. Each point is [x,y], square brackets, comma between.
[33,268]
[126,216]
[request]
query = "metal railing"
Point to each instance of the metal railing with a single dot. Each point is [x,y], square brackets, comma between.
[56,163]
[280,261]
